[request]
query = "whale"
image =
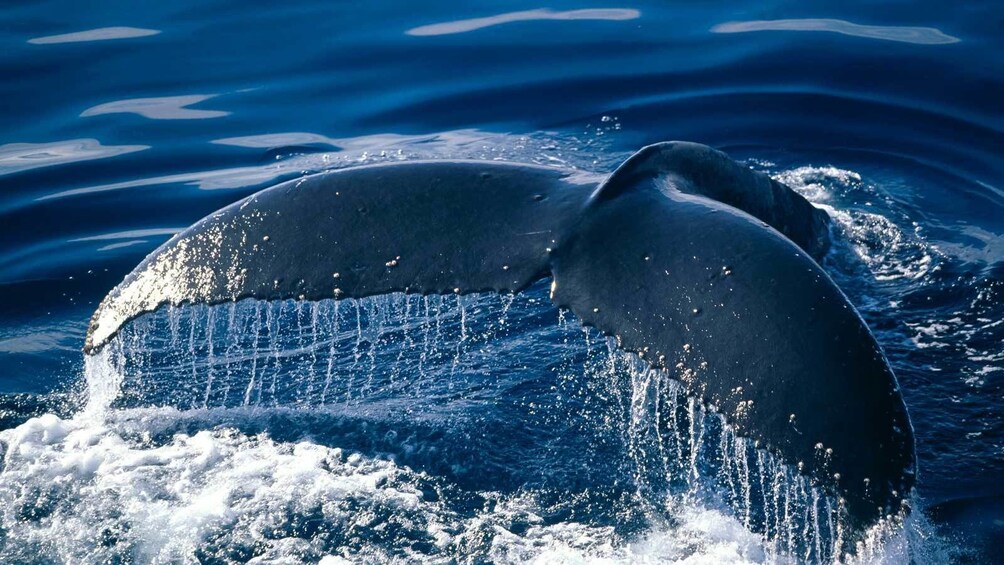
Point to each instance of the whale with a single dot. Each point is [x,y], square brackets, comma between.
[693,262]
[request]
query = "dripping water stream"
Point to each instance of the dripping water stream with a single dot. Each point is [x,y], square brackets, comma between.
[471,361]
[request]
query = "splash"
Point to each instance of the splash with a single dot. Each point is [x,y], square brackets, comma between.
[442,357]
[872,231]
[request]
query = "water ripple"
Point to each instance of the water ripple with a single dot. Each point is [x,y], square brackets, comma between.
[99,34]
[272,140]
[16,157]
[158,108]
[130,234]
[460,144]
[473,24]
[905,34]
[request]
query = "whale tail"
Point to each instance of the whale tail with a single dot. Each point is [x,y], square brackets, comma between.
[699,265]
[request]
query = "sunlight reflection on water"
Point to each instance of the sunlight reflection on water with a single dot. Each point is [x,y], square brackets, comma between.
[905,34]
[463,26]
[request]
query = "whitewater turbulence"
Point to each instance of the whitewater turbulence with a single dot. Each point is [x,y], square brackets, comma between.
[362,429]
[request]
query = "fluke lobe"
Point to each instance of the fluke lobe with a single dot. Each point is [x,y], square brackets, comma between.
[693,261]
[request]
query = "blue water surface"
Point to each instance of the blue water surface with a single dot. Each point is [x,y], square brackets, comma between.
[122,123]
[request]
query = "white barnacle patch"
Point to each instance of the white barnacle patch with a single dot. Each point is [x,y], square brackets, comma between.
[193,268]
[236,277]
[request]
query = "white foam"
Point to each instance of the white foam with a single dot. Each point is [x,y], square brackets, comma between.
[115,483]
[890,252]
[165,501]
[80,491]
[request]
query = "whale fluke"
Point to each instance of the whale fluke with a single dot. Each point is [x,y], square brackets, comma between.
[696,263]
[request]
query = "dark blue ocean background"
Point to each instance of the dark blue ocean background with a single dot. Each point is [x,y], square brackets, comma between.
[888,115]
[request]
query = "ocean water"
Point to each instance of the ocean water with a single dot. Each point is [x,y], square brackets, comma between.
[482,428]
